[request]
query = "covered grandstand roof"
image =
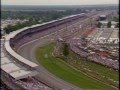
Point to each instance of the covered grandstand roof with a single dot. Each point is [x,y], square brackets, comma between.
[18,57]
[13,53]
[13,68]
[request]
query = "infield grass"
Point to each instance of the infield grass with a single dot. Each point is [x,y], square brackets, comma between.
[62,70]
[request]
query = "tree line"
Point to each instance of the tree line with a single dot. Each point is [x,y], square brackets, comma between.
[34,17]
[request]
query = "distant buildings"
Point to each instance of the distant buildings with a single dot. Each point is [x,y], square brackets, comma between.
[12,22]
[102,17]
[104,24]
[6,22]
[108,21]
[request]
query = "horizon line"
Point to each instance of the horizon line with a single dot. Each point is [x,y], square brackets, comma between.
[55,5]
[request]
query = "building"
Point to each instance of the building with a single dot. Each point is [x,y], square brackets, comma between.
[105,23]
[102,17]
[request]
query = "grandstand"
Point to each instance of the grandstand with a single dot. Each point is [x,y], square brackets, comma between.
[104,35]
[89,49]
[12,67]
[19,74]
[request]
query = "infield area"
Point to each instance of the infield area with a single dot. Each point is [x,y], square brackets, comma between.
[63,70]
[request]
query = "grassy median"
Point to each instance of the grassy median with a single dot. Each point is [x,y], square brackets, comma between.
[61,69]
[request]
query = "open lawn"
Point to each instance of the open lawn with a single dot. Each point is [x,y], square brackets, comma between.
[61,69]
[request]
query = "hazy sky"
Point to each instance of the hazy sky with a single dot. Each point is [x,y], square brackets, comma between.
[57,2]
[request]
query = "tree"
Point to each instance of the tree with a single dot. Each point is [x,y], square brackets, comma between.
[117,25]
[109,24]
[99,25]
[65,49]
[8,29]
[116,19]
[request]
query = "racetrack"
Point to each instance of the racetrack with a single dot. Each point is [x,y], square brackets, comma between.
[27,51]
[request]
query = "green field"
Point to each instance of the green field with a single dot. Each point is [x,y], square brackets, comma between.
[98,71]
[61,69]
